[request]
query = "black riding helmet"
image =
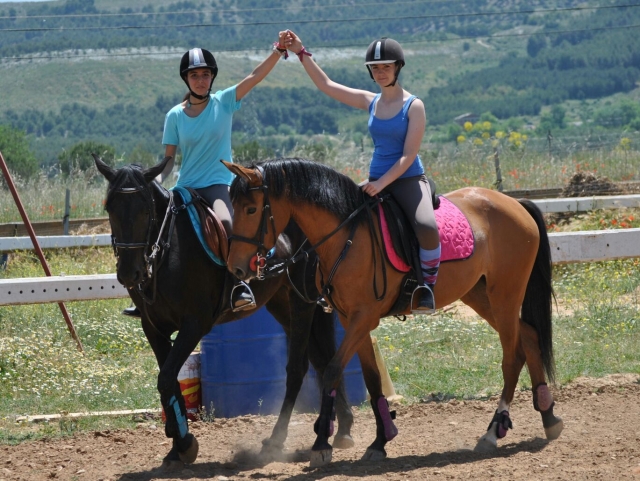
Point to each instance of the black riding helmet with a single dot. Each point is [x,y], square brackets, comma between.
[198,58]
[384,50]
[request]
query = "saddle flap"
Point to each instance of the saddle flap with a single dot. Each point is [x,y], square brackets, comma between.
[214,232]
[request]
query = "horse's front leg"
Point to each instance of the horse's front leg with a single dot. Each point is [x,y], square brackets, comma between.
[385,428]
[185,445]
[356,333]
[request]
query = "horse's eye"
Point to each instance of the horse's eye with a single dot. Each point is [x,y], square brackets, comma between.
[251,210]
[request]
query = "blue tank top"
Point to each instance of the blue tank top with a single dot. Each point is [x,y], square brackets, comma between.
[388,137]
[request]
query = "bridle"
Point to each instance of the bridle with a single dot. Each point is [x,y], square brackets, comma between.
[262,254]
[152,264]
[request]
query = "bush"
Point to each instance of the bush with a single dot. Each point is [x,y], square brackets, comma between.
[15,150]
[79,158]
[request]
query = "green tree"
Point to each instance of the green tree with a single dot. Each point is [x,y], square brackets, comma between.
[79,158]
[15,150]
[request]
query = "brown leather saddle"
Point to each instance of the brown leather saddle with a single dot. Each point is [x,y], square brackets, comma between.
[213,231]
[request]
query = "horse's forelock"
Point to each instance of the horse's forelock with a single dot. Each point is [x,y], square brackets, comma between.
[127,176]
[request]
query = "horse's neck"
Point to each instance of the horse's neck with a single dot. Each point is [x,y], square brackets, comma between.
[161,198]
[316,223]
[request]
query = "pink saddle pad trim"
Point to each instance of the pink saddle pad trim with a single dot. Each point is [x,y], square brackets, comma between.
[456,236]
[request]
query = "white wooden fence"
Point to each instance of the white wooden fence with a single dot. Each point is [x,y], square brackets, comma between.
[566,247]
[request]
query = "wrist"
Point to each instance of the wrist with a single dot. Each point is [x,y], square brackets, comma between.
[280,50]
[302,52]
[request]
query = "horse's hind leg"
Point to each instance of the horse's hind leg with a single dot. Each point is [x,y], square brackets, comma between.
[321,351]
[283,307]
[506,321]
[542,398]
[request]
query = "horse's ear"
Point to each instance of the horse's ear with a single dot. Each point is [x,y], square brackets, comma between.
[153,172]
[103,168]
[253,176]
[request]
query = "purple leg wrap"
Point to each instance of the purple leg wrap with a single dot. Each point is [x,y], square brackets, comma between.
[390,429]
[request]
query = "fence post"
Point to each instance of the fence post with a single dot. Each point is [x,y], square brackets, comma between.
[67,208]
[496,162]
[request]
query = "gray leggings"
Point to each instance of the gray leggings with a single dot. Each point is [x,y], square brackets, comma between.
[414,196]
[218,196]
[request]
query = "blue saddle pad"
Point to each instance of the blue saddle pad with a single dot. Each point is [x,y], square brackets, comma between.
[195,221]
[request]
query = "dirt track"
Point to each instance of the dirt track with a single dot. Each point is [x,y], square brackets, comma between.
[601,440]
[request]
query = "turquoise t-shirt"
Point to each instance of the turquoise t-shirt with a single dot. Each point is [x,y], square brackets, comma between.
[203,140]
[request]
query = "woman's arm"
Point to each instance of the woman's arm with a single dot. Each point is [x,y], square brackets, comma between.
[169,151]
[260,72]
[412,142]
[360,99]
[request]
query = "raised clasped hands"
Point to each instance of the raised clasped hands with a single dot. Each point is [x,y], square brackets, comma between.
[292,42]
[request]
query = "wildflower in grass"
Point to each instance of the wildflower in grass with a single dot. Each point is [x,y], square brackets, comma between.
[625,143]
[461,138]
[486,135]
[468,126]
[478,142]
[486,125]
[500,134]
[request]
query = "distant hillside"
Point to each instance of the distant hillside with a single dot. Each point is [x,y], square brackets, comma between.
[118,76]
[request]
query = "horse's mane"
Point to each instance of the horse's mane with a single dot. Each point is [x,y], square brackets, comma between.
[307,181]
[129,176]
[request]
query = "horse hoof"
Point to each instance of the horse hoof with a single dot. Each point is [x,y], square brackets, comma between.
[320,458]
[171,465]
[190,455]
[373,455]
[554,431]
[485,446]
[343,441]
[270,451]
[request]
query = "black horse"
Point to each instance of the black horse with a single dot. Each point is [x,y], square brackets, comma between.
[177,287]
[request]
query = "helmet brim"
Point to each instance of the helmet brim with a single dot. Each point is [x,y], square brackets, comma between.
[379,62]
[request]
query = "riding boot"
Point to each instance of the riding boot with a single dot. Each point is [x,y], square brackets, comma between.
[242,298]
[422,300]
[131,311]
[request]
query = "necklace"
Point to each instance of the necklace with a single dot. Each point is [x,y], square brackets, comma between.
[190,104]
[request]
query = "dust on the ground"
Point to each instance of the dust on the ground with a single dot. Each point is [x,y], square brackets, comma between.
[601,440]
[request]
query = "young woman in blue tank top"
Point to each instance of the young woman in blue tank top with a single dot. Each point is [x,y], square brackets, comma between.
[397,123]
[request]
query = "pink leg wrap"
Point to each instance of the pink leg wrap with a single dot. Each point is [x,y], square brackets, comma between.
[333,413]
[390,429]
[543,397]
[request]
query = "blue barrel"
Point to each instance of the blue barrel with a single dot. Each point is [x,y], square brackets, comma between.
[243,369]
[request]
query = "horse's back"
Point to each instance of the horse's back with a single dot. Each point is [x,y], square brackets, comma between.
[489,209]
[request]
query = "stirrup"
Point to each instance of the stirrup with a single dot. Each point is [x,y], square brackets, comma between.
[326,307]
[242,298]
[423,300]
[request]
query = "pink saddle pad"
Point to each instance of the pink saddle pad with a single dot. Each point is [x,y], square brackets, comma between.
[456,236]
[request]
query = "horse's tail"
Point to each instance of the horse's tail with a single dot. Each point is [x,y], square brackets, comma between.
[537,304]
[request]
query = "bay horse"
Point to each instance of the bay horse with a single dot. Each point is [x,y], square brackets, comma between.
[183,290]
[507,279]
